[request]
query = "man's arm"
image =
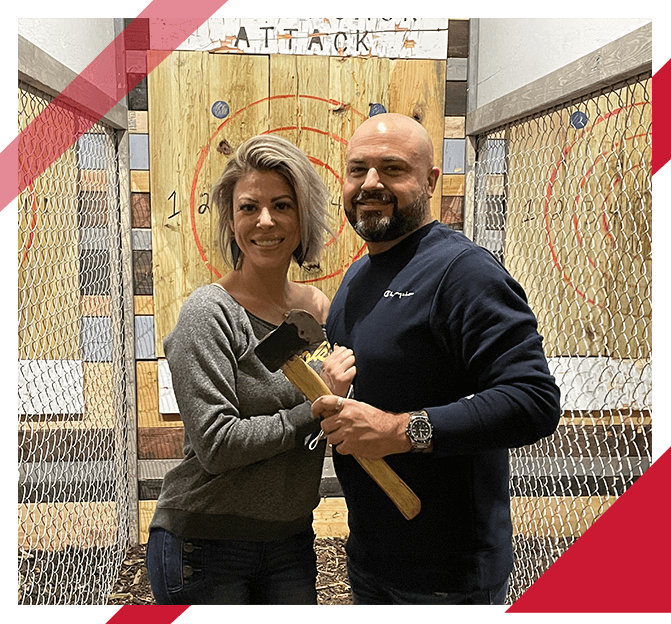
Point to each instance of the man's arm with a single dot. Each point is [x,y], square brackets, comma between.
[481,318]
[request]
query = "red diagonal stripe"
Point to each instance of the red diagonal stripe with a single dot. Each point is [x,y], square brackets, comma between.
[147,614]
[621,563]
[661,87]
[95,92]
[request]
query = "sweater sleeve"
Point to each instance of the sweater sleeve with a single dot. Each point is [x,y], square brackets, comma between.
[481,315]
[203,353]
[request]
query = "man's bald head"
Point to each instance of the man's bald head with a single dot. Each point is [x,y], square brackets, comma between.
[394,126]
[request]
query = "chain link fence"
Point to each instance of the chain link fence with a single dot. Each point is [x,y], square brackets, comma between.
[564,199]
[73,491]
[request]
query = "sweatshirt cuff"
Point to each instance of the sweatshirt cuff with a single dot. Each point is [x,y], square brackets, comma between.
[453,429]
[302,420]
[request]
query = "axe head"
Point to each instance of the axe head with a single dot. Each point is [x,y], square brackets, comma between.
[299,331]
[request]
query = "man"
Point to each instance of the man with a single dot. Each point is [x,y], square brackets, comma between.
[450,374]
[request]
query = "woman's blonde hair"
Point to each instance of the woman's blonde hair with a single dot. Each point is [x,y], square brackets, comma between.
[273,153]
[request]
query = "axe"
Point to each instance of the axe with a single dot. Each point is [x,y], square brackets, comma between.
[282,348]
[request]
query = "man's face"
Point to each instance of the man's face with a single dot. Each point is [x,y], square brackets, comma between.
[388,184]
[375,226]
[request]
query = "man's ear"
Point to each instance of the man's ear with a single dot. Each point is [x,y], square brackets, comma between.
[434,174]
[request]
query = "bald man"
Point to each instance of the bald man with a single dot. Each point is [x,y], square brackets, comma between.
[389,160]
[450,374]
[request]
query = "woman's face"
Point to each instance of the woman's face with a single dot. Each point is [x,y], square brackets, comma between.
[265,219]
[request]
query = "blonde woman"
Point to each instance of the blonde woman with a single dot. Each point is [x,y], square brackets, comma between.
[233,523]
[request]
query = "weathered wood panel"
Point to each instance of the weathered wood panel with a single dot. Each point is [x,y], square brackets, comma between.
[559,516]
[417,89]
[55,526]
[366,37]
[355,84]
[143,305]
[160,442]
[148,392]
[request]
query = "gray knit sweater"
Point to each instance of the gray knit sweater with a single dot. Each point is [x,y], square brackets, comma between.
[246,473]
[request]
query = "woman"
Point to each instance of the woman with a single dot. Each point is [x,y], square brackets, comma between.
[233,523]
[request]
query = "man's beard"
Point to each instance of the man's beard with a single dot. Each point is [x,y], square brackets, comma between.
[375,228]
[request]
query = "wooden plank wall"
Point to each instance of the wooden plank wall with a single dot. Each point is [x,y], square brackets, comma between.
[315,101]
[329,98]
[577,237]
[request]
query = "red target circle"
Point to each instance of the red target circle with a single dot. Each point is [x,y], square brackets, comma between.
[204,153]
[606,229]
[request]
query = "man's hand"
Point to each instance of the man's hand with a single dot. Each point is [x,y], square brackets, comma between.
[355,428]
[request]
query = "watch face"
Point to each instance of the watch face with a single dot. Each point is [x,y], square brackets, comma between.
[421,430]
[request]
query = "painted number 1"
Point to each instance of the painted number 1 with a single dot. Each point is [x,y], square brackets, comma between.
[175,212]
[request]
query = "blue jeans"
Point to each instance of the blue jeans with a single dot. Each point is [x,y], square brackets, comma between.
[188,571]
[367,590]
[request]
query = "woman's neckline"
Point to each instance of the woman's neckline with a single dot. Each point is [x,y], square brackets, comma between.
[251,314]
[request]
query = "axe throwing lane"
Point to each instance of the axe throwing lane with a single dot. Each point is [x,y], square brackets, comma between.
[202,106]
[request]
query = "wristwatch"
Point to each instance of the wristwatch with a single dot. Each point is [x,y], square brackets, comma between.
[420,431]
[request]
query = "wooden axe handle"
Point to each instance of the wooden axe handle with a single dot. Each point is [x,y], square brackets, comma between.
[299,373]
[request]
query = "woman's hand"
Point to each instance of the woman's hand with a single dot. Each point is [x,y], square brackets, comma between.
[338,370]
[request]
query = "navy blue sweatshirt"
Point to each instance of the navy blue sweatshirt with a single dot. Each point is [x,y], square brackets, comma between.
[437,323]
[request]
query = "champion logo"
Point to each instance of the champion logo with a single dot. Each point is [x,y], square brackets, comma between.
[395,293]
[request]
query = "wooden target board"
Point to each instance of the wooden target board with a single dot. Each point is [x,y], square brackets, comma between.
[202,106]
[48,261]
[578,230]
